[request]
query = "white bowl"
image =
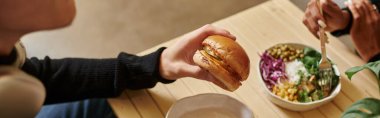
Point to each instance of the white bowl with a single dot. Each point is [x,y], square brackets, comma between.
[294,106]
[209,105]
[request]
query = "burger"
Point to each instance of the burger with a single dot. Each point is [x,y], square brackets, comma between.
[225,59]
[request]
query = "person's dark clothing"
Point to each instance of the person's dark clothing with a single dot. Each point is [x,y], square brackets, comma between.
[73,79]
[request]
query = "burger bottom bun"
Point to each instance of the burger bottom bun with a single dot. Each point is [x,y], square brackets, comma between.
[206,62]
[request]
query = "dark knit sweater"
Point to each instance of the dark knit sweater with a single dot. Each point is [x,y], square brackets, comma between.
[72,79]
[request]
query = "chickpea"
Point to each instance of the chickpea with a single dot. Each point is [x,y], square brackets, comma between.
[297,55]
[278,52]
[273,53]
[286,53]
[292,53]
[279,49]
[283,48]
[298,51]
[292,58]
[302,55]
[291,49]
[285,59]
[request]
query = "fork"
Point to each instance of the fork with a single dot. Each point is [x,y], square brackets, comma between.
[325,67]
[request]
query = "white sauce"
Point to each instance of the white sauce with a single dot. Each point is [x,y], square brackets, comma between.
[292,69]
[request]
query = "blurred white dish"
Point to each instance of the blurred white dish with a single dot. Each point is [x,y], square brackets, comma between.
[209,105]
[296,106]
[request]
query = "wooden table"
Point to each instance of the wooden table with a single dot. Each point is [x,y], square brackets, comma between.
[257,28]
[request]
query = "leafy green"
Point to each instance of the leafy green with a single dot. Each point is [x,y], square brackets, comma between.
[298,82]
[311,52]
[373,66]
[300,73]
[311,60]
[317,95]
[304,96]
[365,108]
[335,79]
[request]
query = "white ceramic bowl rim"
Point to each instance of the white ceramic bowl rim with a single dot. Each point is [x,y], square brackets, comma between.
[242,105]
[332,95]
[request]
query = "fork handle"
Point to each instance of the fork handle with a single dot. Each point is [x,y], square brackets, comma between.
[322,36]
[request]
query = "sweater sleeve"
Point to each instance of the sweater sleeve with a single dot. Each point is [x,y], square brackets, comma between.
[72,79]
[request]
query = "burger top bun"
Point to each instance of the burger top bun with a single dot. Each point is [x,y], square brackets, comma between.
[231,53]
[225,59]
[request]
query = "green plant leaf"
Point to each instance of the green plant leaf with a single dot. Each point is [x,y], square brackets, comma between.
[373,66]
[364,108]
[352,71]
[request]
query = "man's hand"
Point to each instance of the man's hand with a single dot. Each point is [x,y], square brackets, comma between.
[177,60]
[333,16]
[365,28]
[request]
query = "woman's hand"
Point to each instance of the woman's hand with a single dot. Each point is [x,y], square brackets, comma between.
[333,16]
[177,60]
[365,28]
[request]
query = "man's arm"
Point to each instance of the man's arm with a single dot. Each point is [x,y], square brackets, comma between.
[347,29]
[73,79]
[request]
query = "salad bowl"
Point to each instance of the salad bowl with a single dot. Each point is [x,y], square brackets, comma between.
[296,105]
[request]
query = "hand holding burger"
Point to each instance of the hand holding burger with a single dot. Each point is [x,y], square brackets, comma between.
[225,59]
[177,60]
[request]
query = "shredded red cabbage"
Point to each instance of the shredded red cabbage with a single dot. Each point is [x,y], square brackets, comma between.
[272,70]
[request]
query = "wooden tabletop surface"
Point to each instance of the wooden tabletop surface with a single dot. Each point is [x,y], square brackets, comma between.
[257,28]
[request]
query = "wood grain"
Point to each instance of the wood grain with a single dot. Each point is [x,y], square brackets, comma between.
[256,29]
